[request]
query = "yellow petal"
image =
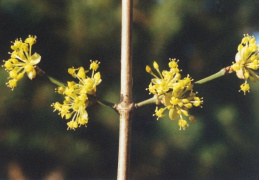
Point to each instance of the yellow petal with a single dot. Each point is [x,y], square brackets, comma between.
[35,58]
[173,115]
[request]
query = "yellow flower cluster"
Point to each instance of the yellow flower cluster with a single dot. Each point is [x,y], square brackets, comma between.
[76,95]
[178,95]
[21,61]
[247,60]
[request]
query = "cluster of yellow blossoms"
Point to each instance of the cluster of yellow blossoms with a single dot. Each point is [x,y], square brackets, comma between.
[76,95]
[21,61]
[177,94]
[247,60]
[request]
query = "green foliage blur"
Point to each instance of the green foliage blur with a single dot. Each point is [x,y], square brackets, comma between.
[203,34]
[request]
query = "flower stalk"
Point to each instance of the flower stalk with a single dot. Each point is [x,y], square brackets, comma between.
[222,72]
[103,102]
[42,73]
[154,100]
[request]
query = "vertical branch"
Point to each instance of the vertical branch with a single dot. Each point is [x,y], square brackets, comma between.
[125,105]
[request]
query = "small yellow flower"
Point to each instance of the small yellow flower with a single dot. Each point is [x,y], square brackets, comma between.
[148,69]
[76,95]
[178,96]
[159,112]
[165,81]
[94,65]
[155,65]
[22,61]
[181,99]
[183,124]
[247,61]
[245,88]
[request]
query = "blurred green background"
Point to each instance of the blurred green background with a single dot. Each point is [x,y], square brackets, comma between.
[203,34]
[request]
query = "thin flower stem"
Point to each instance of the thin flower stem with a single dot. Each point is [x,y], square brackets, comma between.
[222,72]
[55,81]
[105,103]
[154,100]
[146,102]
[44,74]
